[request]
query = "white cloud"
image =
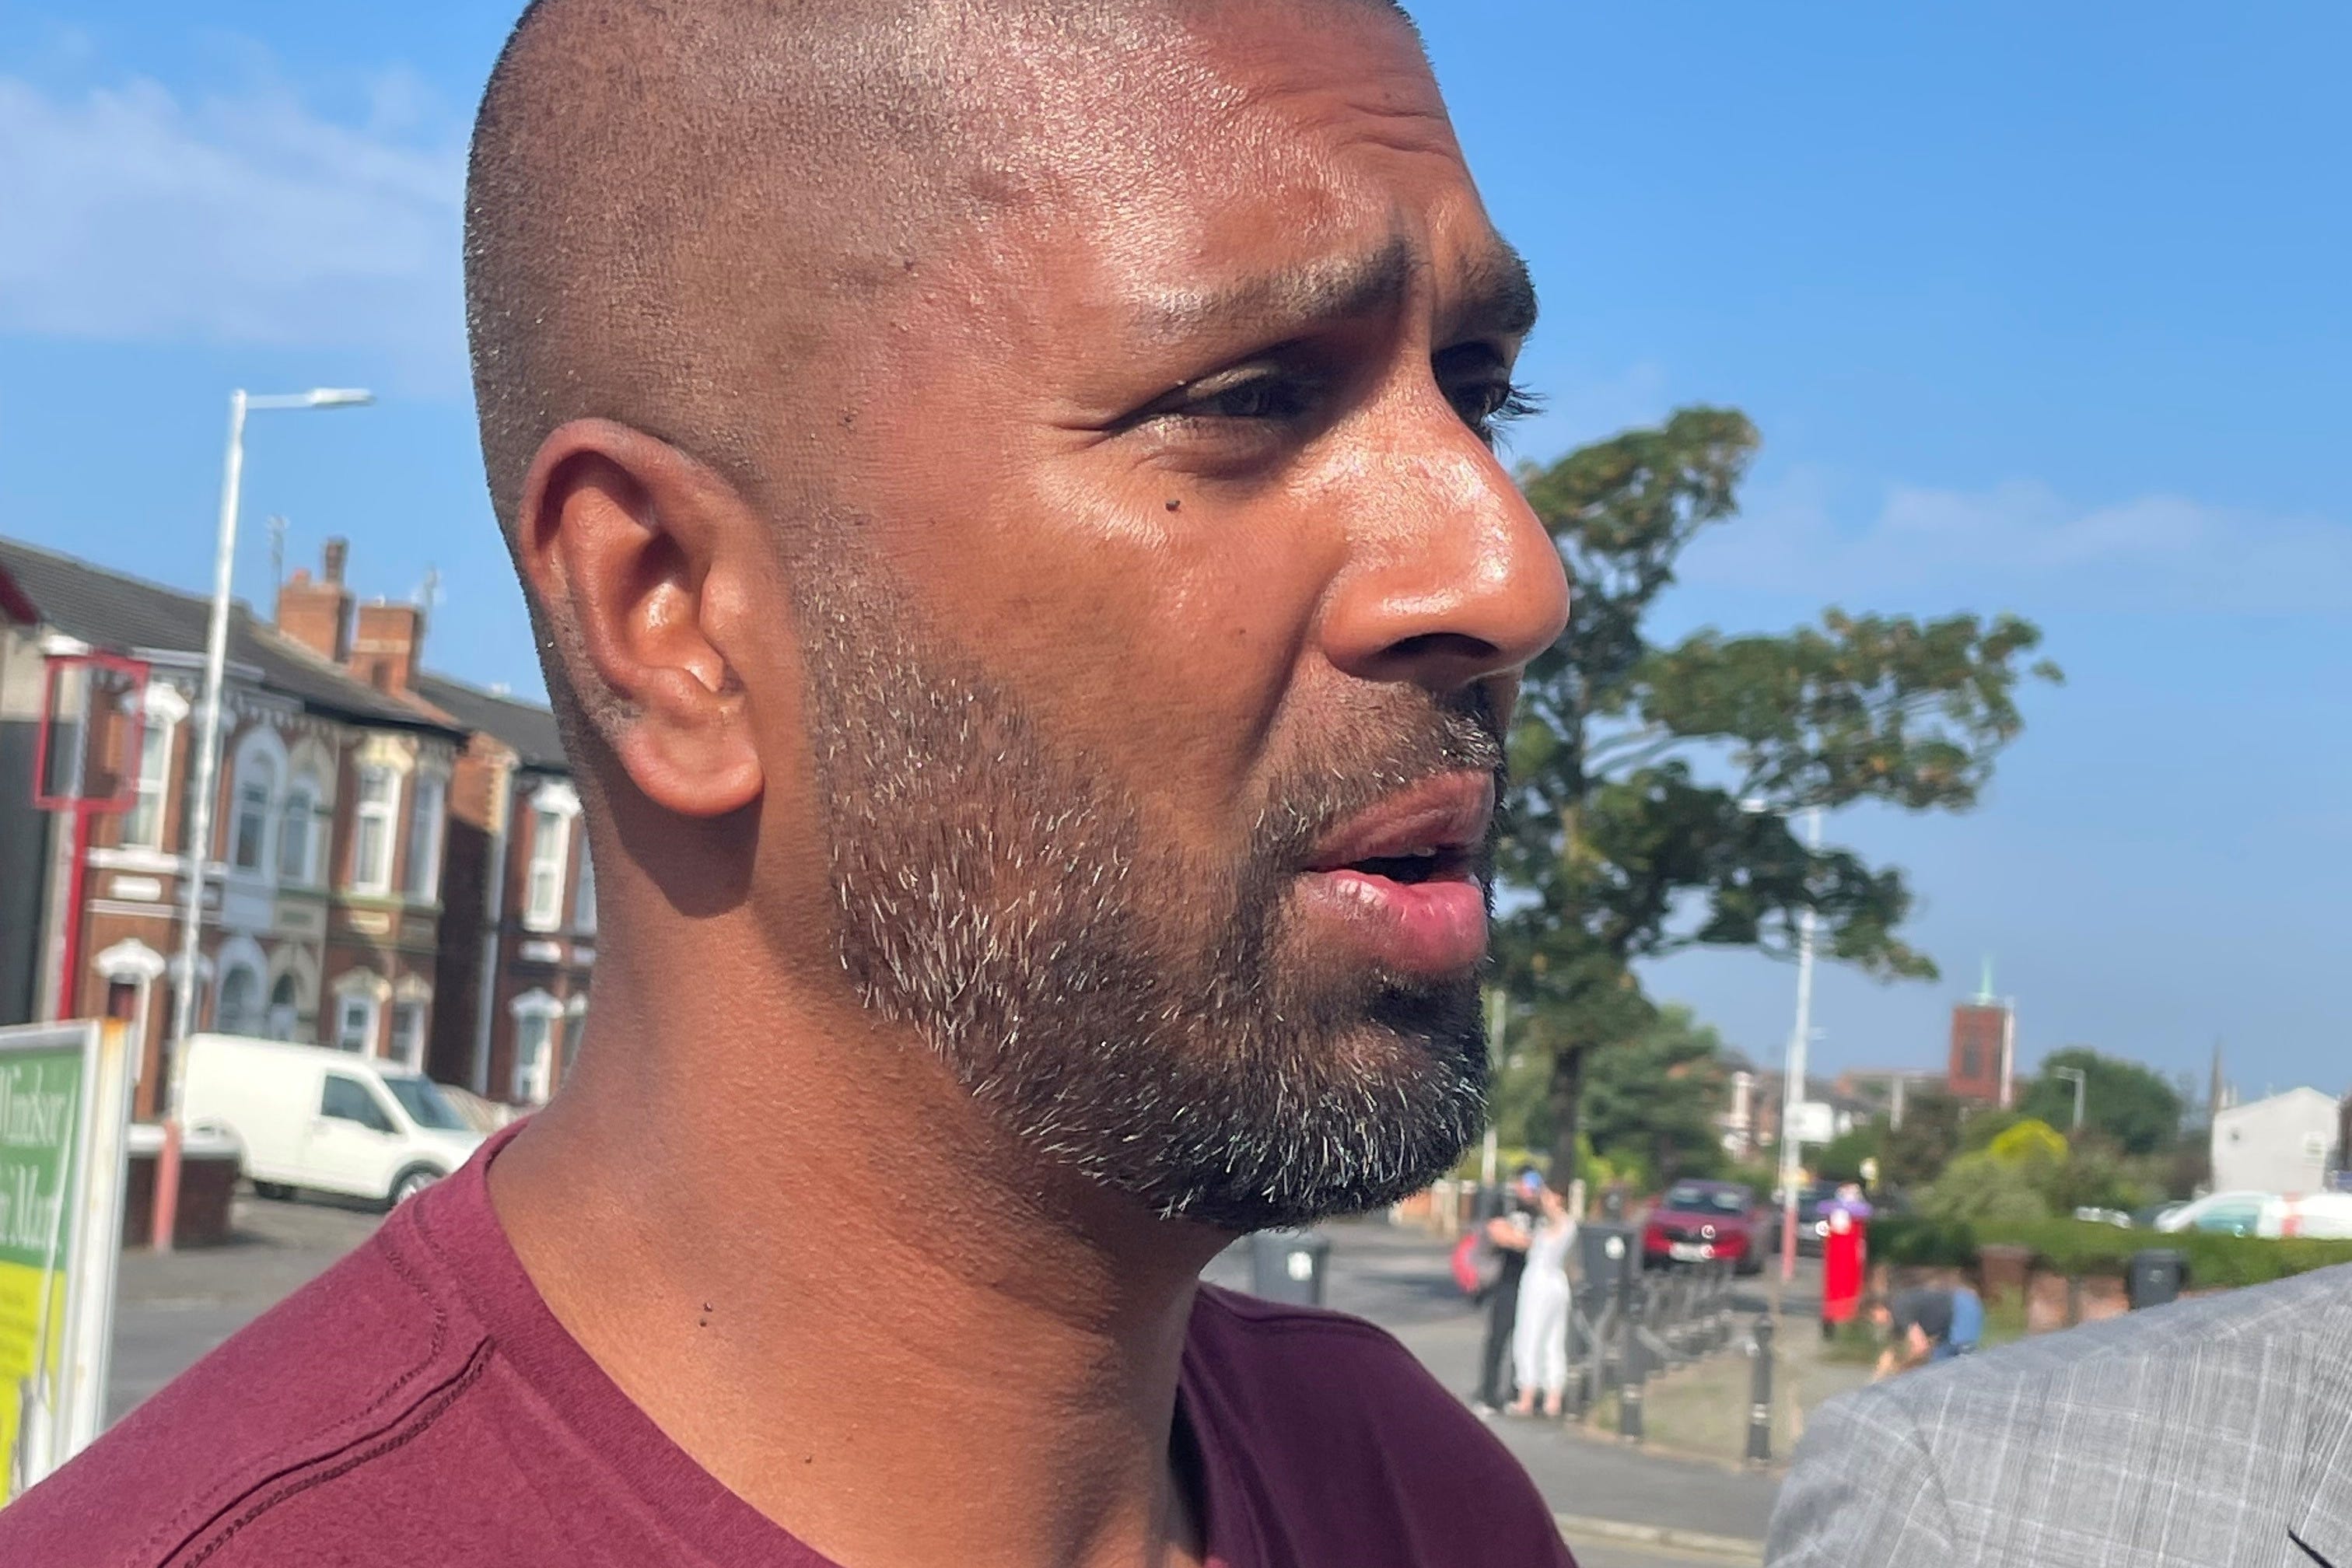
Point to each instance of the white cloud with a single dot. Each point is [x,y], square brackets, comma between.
[135,216]
[2026,541]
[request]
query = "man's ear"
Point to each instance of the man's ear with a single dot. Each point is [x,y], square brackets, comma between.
[625,544]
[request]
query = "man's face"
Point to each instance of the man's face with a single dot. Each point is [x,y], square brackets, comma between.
[1161,652]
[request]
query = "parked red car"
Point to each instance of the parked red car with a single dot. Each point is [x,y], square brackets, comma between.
[1705,1221]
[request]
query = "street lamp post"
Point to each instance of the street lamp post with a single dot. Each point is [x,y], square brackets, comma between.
[2082,1080]
[207,774]
[1793,1088]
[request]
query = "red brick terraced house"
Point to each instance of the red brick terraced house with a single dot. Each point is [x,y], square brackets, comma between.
[519,938]
[400,867]
[324,899]
[518,933]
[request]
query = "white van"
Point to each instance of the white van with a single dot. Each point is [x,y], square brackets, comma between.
[326,1120]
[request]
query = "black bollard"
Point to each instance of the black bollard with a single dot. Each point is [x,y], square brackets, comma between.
[1759,1393]
[1628,1398]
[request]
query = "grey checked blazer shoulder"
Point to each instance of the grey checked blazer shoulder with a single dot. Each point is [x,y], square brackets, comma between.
[2215,1433]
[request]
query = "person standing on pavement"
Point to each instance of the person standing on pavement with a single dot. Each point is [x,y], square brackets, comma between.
[1539,1341]
[1507,1232]
[1006,495]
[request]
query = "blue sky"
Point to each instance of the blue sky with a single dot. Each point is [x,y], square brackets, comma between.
[2037,307]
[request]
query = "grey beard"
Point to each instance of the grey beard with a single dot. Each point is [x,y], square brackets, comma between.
[1118,1009]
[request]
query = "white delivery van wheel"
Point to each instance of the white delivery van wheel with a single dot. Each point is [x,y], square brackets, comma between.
[412,1181]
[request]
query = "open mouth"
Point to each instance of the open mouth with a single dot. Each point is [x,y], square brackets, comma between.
[1428,832]
[1449,864]
[1397,884]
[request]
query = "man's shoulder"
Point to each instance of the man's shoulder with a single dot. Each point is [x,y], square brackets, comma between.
[2223,1397]
[1341,1425]
[1306,1340]
[341,1372]
[2129,1362]
[1314,1371]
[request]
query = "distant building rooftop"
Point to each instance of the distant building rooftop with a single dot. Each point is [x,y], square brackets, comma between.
[128,614]
[529,727]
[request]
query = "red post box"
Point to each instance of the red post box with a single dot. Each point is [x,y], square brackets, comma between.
[1844,1266]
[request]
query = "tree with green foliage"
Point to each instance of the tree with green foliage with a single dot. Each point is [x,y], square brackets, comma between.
[1935,1129]
[1841,1159]
[1652,1100]
[2098,1174]
[1519,1102]
[2129,1103]
[2026,1144]
[1981,1188]
[1653,784]
[1980,1125]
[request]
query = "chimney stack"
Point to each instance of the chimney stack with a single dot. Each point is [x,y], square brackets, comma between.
[385,649]
[319,614]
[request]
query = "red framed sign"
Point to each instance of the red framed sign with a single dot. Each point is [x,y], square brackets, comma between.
[93,722]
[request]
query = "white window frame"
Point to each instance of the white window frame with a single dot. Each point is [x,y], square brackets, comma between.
[575,1025]
[253,812]
[428,810]
[298,832]
[257,774]
[359,1006]
[408,1045]
[583,892]
[386,815]
[152,786]
[241,1023]
[532,1077]
[280,1019]
[550,848]
[555,810]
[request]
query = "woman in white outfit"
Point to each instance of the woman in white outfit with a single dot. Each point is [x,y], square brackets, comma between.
[1539,1340]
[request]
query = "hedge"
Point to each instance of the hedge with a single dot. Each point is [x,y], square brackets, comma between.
[2081,1247]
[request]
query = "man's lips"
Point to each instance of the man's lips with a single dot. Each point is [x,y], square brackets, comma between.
[1447,816]
[1397,882]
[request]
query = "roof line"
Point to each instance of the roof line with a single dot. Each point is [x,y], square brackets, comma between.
[354,701]
[484,692]
[85,564]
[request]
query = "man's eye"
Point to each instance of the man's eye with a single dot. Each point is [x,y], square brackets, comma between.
[1257,397]
[1486,407]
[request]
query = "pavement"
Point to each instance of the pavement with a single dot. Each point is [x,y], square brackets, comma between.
[172,1309]
[1621,1507]
[1399,1279]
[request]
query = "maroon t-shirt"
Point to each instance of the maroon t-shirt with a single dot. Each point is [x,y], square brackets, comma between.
[419,1404]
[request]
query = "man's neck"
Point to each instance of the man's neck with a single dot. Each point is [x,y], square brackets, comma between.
[832,1284]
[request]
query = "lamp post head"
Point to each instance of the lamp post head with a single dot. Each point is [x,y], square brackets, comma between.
[338,397]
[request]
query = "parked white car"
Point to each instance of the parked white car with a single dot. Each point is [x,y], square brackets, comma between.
[2325,1215]
[324,1119]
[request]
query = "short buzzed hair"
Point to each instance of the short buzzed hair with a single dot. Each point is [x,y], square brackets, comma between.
[668,201]
[645,175]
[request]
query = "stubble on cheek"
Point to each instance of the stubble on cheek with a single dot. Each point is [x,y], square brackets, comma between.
[1152,1018]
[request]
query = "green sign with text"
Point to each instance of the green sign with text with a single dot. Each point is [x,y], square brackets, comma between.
[41,1124]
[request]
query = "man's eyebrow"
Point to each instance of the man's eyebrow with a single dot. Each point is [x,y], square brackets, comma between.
[1498,294]
[1288,301]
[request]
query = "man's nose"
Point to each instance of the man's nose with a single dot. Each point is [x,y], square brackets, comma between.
[1451,578]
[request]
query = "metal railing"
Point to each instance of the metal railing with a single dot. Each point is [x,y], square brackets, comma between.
[1650,1324]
